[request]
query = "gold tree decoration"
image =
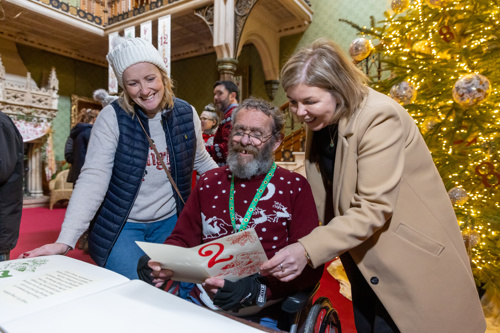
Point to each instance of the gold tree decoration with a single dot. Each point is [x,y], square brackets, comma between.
[449,51]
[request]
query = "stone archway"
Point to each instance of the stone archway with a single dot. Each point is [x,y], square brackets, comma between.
[234,23]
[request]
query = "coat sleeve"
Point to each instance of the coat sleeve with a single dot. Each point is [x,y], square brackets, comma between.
[8,152]
[68,150]
[93,181]
[304,220]
[372,167]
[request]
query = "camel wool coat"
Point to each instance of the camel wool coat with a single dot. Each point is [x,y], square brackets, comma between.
[394,216]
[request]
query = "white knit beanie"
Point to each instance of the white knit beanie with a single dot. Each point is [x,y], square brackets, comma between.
[130,51]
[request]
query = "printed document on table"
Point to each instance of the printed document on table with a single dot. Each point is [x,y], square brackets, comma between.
[28,285]
[231,257]
[56,294]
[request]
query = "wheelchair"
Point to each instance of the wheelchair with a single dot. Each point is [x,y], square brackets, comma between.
[311,317]
[304,315]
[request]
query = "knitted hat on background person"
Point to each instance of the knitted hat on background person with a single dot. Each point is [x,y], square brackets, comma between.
[130,51]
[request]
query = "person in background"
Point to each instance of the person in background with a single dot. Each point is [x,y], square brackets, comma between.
[209,123]
[101,96]
[123,186]
[68,151]
[11,184]
[80,136]
[226,98]
[276,202]
[387,213]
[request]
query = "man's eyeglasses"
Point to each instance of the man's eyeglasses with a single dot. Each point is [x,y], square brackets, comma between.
[255,139]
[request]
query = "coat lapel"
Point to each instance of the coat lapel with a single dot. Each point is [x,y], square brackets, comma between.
[345,133]
[339,169]
[314,178]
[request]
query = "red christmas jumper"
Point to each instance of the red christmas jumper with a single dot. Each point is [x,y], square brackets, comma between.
[285,213]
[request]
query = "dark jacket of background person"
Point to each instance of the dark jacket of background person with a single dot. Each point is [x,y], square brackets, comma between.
[68,150]
[11,183]
[80,135]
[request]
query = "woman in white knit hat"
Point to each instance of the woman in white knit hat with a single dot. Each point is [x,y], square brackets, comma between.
[123,186]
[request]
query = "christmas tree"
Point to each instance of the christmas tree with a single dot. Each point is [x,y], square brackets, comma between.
[440,60]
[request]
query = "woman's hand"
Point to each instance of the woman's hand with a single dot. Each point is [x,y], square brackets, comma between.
[160,276]
[287,264]
[47,250]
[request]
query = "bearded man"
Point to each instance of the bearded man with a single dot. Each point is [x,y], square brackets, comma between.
[224,202]
[226,97]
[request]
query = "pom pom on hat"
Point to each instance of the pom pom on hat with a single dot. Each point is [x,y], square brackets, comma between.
[103,97]
[130,51]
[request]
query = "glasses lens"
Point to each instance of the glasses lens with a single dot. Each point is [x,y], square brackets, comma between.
[256,140]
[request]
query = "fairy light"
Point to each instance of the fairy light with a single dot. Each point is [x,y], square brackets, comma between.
[472,156]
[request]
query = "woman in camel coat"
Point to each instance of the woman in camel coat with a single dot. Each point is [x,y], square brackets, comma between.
[386,210]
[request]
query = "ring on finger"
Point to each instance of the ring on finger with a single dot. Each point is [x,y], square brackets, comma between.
[281,268]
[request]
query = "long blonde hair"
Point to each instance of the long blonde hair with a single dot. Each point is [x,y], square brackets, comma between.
[323,64]
[167,101]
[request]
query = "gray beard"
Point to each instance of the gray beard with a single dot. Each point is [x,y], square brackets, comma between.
[261,163]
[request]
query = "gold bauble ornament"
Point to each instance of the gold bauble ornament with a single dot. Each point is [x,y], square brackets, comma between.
[471,238]
[490,44]
[404,93]
[399,6]
[458,196]
[428,124]
[422,46]
[471,89]
[360,48]
[437,3]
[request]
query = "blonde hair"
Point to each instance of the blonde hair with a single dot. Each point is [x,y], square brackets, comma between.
[323,64]
[87,115]
[167,101]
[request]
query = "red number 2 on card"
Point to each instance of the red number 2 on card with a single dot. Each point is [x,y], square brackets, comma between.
[214,260]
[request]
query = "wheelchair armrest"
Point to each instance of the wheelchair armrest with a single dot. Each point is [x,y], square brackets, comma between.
[294,303]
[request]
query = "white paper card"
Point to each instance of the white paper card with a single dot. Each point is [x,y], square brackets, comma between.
[232,257]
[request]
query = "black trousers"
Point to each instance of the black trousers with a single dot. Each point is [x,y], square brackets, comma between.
[370,314]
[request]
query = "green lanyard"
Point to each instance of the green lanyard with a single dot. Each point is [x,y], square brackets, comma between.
[255,200]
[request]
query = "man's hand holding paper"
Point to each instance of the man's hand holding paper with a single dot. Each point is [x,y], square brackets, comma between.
[232,257]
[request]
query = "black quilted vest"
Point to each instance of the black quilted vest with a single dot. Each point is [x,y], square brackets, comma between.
[129,167]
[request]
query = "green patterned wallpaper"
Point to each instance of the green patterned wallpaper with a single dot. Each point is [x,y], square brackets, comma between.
[326,24]
[61,126]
